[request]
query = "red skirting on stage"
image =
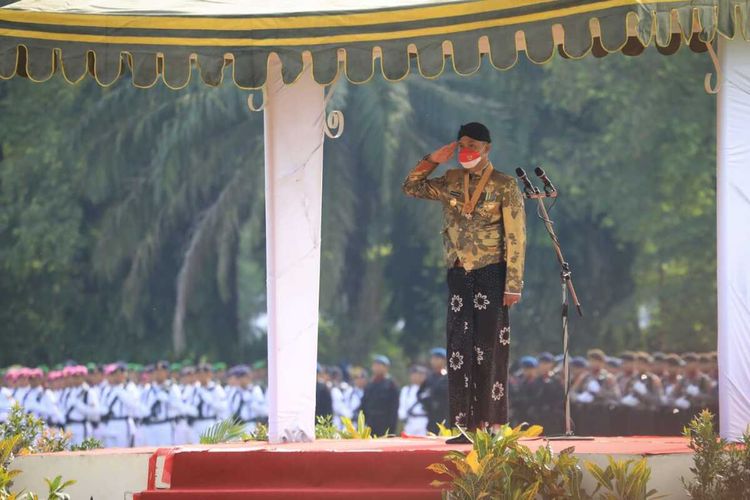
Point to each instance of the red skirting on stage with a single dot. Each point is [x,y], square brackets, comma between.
[381,468]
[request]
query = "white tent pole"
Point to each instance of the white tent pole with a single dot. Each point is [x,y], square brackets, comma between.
[733,236]
[293,124]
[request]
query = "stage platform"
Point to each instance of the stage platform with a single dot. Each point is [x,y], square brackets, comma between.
[377,469]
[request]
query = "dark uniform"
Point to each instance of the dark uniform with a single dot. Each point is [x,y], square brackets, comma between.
[380,406]
[674,413]
[323,400]
[697,386]
[550,404]
[641,396]
[433,394]
[598,393]
[525,393]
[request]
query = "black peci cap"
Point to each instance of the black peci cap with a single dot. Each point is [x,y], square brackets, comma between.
[475,130]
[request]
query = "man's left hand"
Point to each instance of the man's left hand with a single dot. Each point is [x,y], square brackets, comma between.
[510,299]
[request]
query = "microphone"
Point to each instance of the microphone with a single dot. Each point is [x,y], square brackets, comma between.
[529,189]
[548,187]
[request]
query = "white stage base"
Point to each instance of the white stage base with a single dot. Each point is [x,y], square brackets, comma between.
[733,238]
[294,189]
[117,474]
[99,474]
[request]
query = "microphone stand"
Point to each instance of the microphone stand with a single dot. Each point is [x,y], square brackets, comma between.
[567,288]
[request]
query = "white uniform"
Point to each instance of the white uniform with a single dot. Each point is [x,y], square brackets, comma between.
[51,402]
[183,431]
[44,404]
[31,401]
[82,408]
[19,394]
[248,404]
[212,406]
[258,406]
[163,405]
[99,389]
[6,403]
[411,412]
[238,399]
[120,409]
[340,407]
[353,401]
[102,391]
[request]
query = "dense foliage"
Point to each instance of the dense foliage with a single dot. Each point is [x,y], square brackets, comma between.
[30,434]
[499,465]
[22,434]
[721,470]
[131,221]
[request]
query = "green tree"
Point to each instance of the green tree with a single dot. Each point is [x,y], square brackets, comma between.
[132,224]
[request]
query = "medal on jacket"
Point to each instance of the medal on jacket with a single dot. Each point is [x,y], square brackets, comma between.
[471,201]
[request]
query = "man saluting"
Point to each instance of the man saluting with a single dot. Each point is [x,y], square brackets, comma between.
[484,236]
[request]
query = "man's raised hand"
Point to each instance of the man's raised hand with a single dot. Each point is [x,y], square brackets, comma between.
[443,154]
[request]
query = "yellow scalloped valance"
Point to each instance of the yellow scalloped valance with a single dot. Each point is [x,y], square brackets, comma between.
[41,37]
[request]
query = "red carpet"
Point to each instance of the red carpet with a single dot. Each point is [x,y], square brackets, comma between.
[383,468]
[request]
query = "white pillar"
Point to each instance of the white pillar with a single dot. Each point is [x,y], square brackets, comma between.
[293,122]
[733,236]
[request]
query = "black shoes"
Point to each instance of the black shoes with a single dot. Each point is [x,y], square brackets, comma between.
[460,439]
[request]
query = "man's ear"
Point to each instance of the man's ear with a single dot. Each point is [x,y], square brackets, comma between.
[489,147]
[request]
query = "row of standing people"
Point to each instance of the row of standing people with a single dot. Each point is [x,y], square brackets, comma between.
[416,408]
[634,393]
[156,407]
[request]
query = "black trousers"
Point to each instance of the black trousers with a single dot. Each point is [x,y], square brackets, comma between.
[478,346]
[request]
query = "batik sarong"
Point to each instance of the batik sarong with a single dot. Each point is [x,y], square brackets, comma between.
[478,346]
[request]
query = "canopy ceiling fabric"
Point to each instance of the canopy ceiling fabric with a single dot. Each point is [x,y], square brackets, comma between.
[162,39]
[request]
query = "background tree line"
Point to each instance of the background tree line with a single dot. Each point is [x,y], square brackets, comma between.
[132,225]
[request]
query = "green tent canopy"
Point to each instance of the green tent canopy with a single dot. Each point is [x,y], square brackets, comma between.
[163,39]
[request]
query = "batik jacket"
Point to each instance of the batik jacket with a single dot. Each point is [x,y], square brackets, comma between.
[496,231]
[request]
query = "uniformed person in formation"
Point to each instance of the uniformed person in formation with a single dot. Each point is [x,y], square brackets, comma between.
[183,429]
[698,385]
[6,403]
[380,399]
[485,238]
[525,391]
[81,405]
[641,393]
[210,400]
[597,393]
[638,387]
[550,404]
[434,391]
[323,400]
[340,390]
[596,385]
[410,409]
[353,399]
[121,407]
[162,401]
[246,400]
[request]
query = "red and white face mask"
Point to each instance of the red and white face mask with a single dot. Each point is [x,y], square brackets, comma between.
[468,158]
